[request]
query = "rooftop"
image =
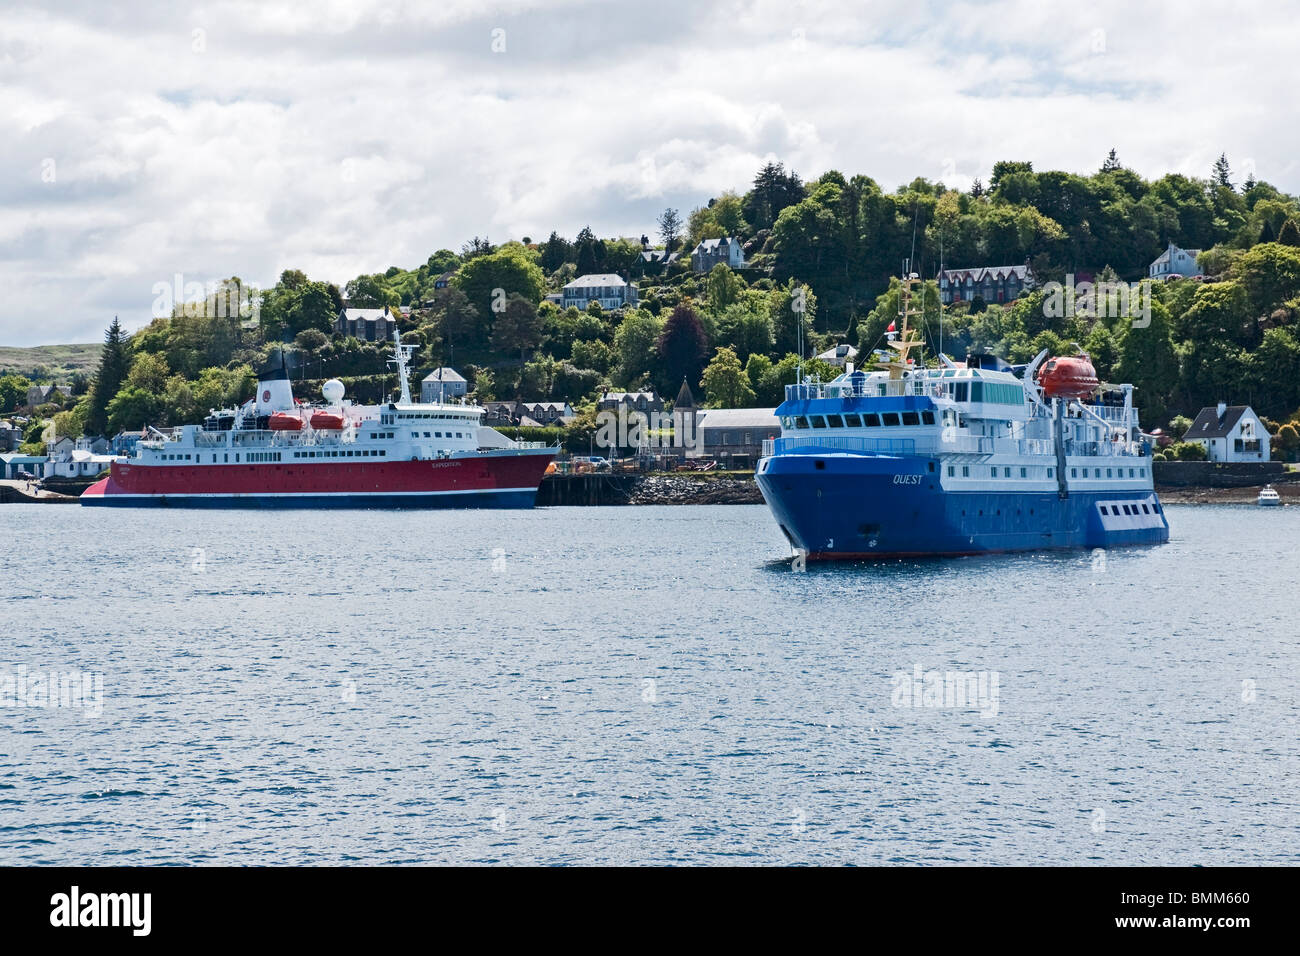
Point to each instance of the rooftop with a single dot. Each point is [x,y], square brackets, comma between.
[1208,424]
[737,418]
[595,279]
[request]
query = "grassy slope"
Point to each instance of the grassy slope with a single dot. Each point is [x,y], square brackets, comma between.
[61,360]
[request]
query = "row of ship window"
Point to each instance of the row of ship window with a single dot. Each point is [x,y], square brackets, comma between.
[855,420]
[262,456]
[1051,472]
[436,435]
[993,472]
[1096,473]
[1129,509]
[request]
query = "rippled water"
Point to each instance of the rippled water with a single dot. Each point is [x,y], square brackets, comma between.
[648,685]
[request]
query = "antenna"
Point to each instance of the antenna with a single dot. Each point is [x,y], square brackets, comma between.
[401,353]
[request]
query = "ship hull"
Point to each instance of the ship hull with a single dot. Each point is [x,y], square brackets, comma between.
[488,480]
[855,507]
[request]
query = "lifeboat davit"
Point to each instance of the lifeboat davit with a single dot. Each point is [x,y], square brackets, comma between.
[284,422]
[326,420]
[1068,377]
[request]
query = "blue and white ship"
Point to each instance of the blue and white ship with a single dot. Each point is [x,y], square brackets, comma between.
[916,461]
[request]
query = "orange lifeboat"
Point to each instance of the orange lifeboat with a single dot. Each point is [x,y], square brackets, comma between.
[284,422]
[1068,377]
[326,420]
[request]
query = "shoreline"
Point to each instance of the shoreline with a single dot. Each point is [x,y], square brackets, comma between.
[669,488]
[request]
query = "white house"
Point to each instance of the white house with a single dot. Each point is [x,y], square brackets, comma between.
[610,290]
[1175,262]
[711,252]
[79,463]
[1230,433]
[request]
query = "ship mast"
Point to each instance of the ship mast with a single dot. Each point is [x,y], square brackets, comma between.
[905,338]
[400,355]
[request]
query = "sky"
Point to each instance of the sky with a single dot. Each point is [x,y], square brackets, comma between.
[149,140]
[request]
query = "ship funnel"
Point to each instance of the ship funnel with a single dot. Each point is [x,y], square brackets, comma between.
[274,393]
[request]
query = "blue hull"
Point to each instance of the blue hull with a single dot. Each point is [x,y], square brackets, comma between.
[846,506]
[485,499]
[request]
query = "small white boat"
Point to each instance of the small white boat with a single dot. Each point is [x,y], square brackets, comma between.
[1268,498]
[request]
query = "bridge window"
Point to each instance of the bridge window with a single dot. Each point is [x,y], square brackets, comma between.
[853,421]
[871,420]
[818,421]
[889,418]
[911,418]
[801,422]
[835,421]
[927,418]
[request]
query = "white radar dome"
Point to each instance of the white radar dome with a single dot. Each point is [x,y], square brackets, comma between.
[333,391]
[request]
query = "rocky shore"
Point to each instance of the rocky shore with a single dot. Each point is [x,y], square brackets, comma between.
[696,490]
[1288,492]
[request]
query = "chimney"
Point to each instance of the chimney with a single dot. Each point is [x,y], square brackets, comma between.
[1222,410]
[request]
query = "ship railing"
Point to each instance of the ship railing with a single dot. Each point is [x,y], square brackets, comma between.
[1111,413]
[859,388]
[1107,449]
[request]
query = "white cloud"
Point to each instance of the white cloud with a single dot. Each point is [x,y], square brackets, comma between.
[345,137]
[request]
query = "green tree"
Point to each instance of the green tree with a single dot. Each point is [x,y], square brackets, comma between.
[1147,358]
[670,228]
[133,408]
[114,362]
[13,392]
[1269,274]
[793,308]
[635,343]
[488,280]
[518,327]
[723,287]
[747,328]
[774,189]
[1290,234]
[725,383]
[1288,440]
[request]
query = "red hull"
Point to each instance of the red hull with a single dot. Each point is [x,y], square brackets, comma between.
[505,473]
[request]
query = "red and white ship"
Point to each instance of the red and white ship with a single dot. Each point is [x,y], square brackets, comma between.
[274,452]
